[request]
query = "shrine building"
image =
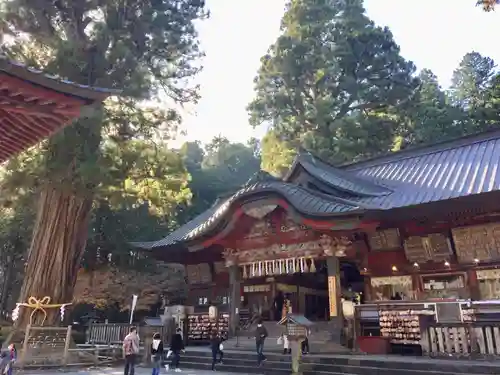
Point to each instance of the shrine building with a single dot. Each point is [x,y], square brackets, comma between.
[420,228]
[34,105]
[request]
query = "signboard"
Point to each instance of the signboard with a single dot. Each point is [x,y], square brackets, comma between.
[414,250]
[434,247]
[198,273]
[481,242]
[332,295]
[388,239]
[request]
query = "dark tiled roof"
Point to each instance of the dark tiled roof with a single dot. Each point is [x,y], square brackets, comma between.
[303,200]
[55,83]
[455,169]
[449,170]
[338,178]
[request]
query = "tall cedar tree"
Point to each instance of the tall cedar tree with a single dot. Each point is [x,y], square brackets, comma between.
[469,91]
[145,48]
[328,81]
[428,116]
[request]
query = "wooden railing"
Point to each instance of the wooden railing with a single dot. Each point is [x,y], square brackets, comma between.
[114,333]
[477,339]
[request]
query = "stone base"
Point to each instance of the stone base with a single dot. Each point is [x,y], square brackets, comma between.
[331,348]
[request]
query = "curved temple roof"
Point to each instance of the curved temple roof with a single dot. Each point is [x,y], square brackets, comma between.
[459,168]
[34,105]
[305,201]
[336,177]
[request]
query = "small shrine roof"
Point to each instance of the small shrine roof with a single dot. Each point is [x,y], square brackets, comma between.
[458,168]
[298,319]
[34,105]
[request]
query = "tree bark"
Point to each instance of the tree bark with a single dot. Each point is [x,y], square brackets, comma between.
[58,243]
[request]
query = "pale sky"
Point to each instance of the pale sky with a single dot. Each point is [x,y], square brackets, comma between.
[433,34]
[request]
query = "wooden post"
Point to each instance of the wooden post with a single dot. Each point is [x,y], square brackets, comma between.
[88,334]
[296,349]
[235,298]
[66,346]
[473,285]
[147,349]
[96,355]
[24,350]
[336,318]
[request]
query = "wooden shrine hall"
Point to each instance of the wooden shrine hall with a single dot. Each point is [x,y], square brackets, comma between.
[419,225]
[34,105]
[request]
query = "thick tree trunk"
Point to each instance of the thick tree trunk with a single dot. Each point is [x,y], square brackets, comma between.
[58,243]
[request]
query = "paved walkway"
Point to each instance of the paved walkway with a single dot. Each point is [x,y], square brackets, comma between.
[378,358]
[117,371]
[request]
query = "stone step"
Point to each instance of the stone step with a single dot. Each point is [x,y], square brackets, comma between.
[271,345]
[278,364]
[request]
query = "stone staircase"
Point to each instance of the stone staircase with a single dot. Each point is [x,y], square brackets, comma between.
[278,364]
[246,339]
[318,340]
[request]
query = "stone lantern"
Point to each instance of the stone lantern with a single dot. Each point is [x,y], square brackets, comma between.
[297,329]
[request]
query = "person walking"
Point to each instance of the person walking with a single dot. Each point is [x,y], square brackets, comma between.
[156,353]
[305,346]
[176,346]
[260,337]
[217,348]
[130,350]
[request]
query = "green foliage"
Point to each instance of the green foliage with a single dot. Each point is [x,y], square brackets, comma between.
[228,165]
[112,230]
[141,172]
[428,116]
[334,83]
[115,154]
[277,154]
[470,80]
[15,237]
[219,169]
[329,80]
[146,49]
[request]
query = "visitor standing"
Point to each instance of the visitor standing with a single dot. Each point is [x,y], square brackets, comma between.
[176,346]
[305,346]
[131,350]
[156,353]
[287,307]
[279,300]
[8,359]
[260,337]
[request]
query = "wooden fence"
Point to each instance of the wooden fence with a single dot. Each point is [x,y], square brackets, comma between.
[46,345]
[475,339]
[114,333]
